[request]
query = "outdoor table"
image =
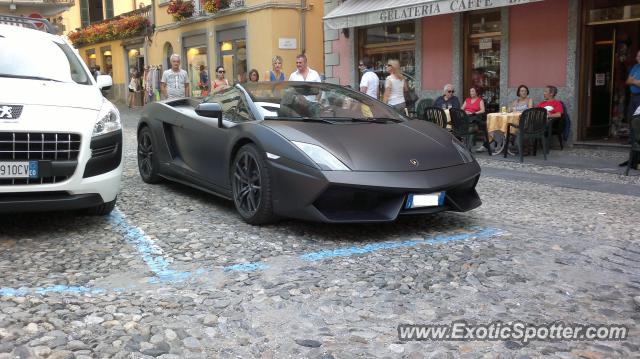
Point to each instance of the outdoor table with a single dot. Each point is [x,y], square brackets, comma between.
[497,124]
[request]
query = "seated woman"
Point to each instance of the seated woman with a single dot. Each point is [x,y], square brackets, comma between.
[523,101]
[474,106]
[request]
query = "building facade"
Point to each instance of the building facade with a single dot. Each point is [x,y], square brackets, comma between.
[244,35]
[585,48]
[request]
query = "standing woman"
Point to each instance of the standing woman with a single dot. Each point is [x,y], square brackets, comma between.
[276,74]
[394,87]
[254,76]
[220,82]
[133,87]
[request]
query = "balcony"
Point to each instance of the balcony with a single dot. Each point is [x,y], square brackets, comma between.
[124,26]
[202,8]
[144,12]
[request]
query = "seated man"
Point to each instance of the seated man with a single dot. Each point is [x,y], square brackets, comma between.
[553,106]
[447,100]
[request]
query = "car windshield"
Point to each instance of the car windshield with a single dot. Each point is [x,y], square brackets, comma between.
[310,100]
[40,58]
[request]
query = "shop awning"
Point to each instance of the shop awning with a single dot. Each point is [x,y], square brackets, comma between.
[355,13]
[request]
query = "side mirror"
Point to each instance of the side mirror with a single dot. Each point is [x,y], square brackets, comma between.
[104,82]
[211,110]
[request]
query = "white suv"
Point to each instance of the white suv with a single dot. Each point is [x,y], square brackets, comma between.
[60,139]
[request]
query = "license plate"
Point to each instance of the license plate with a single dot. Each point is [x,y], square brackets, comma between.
[425,200]
[19,169]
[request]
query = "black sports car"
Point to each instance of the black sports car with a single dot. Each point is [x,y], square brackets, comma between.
[312,151]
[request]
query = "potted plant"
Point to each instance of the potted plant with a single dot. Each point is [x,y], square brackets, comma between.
[180,9]
[213,6]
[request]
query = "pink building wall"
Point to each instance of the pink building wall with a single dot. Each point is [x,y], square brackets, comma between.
[437,52]
[538,43]
[343,71]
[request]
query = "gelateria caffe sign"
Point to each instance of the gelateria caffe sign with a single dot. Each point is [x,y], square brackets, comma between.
[355,13]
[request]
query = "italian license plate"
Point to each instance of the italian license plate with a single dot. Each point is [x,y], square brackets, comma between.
[425,200]
[19,169]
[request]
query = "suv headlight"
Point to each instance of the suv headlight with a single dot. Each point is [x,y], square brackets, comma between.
[467,157]
[108,120]
[321,157]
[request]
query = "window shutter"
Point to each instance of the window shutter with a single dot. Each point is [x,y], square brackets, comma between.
[84,13]
[109,5]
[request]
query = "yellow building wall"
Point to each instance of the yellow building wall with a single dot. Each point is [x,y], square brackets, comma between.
[264,29]
[117,59]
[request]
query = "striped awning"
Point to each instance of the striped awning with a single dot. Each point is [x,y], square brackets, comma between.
[355,13]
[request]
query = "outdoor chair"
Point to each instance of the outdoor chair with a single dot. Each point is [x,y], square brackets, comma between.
[435,115]
[635,145]
[421,105]
[555,127]
[532,125]
[463,129]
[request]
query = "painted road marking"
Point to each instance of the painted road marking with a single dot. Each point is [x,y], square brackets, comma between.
[480,233]
[159,263]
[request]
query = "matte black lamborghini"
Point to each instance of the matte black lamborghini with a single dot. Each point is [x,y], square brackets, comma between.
[312,151]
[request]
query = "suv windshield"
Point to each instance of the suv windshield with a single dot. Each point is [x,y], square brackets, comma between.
[42,58]
[300,100]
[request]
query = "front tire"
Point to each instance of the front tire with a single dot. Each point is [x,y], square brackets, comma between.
[147,158]
[251,186]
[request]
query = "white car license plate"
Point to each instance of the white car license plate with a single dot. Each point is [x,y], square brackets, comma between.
[19,169]
[425,200]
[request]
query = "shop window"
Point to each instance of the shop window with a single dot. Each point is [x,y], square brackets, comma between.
[91,58]
[196,64]
[482,57]
[391,41]
[234,59]
[168,51]
[107,59]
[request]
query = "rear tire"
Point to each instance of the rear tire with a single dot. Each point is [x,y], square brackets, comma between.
[147,159]
[251,186]
[103,209]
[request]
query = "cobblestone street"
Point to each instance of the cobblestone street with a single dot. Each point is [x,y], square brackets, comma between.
[174,272]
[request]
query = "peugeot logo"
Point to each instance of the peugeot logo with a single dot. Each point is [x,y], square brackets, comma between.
[6,112]
[413,162]
[9,112]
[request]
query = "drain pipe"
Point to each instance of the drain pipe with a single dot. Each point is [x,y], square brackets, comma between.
[303,7]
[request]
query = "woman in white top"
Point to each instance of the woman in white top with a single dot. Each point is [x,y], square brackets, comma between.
[394,87]
[523,101]
[133,87]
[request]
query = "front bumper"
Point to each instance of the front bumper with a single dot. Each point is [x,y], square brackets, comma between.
[47,201]
[336,196]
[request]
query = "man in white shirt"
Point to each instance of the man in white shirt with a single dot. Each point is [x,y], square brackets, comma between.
[304,72]
[370,81]
[175,81]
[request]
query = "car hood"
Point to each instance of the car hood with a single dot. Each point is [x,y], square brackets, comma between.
[49,93]
[377,147]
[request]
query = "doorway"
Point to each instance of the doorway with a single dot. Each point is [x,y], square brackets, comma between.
[611,41]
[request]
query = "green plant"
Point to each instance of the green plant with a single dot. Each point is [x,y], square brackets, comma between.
[116,29]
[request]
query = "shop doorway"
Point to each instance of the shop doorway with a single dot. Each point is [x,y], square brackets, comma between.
[483,32]
[611,41]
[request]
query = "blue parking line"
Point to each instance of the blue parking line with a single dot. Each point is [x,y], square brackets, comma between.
[479,233]
[150,252]
[159,263]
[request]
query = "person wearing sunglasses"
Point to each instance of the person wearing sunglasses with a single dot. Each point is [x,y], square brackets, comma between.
[369,83]
[220,82]
[448,99]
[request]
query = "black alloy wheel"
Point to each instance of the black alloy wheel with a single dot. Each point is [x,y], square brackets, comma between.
[147,164]
[251,186]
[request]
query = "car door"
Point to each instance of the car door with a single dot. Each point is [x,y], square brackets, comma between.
[210,143]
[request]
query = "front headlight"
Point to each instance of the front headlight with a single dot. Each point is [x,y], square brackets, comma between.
[467,157]
[322,157]
[108,120]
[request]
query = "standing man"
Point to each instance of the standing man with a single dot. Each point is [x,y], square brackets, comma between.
[370,81]
[448,99]
[634,102]
[175,81]
[304,72]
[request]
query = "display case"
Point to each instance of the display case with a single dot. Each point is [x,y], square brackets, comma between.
[482,57]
